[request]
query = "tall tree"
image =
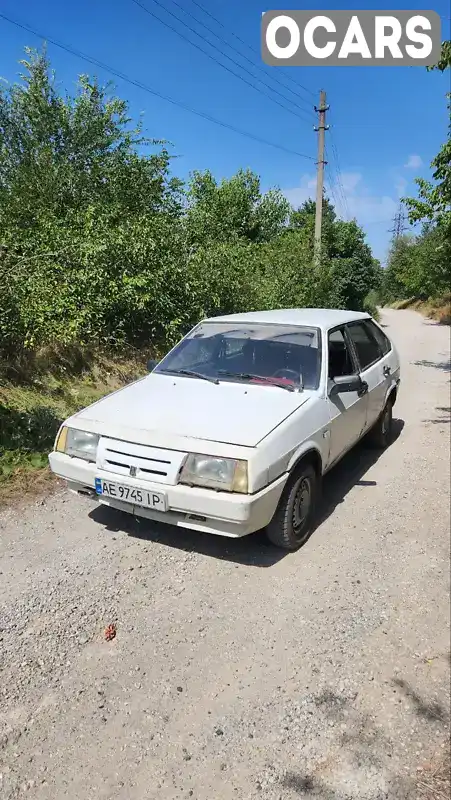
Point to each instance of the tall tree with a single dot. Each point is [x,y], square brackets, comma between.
[233,209]
[434,201]
[430,272]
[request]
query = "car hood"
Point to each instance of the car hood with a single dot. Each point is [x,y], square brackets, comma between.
[163,406]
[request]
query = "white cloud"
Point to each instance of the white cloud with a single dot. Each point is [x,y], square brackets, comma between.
[400,185]
[350,181]
[352,199]
[414,162]
[306,190]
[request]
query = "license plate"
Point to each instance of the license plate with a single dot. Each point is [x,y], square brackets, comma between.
[128,494]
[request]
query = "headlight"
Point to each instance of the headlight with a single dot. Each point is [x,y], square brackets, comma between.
[227,474]
[78,443]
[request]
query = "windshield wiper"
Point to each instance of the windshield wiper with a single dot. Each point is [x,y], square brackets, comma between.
[190,374]
[247,376]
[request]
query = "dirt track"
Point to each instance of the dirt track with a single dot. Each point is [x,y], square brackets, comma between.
[235,672]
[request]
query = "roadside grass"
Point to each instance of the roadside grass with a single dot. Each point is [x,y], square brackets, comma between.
[438,309]
[36,396]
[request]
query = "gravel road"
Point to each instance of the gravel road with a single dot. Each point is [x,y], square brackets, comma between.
[238,672]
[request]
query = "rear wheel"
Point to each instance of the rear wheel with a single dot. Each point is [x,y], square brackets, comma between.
[292,522]
[380,435]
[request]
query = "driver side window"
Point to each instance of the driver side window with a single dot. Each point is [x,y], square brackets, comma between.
[340,359]
[195,352]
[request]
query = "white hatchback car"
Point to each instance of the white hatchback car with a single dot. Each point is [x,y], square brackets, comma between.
[233,430]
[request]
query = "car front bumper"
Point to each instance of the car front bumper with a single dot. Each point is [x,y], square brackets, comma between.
[204,510]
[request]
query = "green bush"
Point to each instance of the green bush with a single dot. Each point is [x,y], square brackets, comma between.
[100,246]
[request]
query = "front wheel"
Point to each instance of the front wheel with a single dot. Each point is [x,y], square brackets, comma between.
[380,436]
[292,522]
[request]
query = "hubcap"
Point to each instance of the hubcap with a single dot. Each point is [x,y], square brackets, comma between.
[302,504]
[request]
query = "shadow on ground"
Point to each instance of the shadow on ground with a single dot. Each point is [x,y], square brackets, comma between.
[445,411]
[444,366]
[350,472]
[425,709]
[251,550]
[365,746]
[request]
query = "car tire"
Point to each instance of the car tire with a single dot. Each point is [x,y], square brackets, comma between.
[380,435]
[292,522]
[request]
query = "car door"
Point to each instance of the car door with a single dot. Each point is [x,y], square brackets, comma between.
[347,410]
[389,354]
[372,365]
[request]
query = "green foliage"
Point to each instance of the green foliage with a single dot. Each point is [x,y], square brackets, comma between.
[445,58]
[370,304]
[354,271]
[233,209]
[101,246]
[393,287]
[60,382]
[420,266]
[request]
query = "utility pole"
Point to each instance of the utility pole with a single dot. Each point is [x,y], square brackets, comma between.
[398,223]
[321,128]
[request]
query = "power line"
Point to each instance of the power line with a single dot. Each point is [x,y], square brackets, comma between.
[241,55]
[331,188]
[333,185]
[249,47]
[340,186]
[334,176]
[379,222]
[209,55]
[149,90]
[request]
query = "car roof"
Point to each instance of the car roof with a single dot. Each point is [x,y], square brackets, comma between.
[323,318]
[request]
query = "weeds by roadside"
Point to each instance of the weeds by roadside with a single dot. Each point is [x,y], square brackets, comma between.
[36,397]
[438,309]
[435,783]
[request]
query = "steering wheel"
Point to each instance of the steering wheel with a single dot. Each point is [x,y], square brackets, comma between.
[289,374]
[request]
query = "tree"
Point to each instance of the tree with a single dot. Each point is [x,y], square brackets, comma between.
[349,270]
[434,202]
[233,209]
[59,154]
[80,210]
[430,269]
[100,245]
[304,215]
[399,260]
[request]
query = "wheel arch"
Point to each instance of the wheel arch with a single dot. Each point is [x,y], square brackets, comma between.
[310,454]
[392,394]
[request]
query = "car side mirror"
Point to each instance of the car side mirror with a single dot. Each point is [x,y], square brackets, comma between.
[151,364]
[345,383]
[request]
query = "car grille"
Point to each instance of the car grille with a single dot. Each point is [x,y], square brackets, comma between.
[139,461]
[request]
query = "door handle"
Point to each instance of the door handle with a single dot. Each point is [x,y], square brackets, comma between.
[387,371]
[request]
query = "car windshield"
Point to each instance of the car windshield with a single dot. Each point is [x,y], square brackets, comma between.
[278,355]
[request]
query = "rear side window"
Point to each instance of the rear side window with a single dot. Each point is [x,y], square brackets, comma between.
[381,338]
[367,347]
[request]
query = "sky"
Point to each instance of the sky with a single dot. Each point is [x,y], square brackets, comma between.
[386,123]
